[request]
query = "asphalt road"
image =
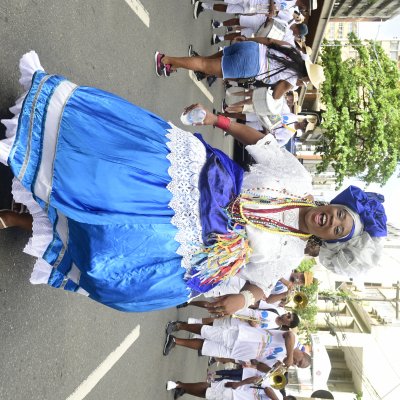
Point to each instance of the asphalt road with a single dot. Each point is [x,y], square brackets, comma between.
[51,341]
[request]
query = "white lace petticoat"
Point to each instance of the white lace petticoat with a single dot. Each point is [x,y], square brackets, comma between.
[187,157]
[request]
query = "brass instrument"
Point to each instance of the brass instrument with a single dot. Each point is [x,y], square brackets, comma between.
[276,377]
[300,299]
[248,318]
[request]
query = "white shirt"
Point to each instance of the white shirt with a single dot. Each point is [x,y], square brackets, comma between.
[286,129]
[269,65]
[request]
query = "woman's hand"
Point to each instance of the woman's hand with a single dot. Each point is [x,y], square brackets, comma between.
[226,305]
[209,119]
[288,361]
[239,39]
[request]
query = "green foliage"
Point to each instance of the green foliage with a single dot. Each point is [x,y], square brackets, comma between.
[335,297]
[308,314]
[306,265]
[362,118]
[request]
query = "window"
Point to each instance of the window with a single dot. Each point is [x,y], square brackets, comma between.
[340,30]
[393,55]
[331,31]
[394,45]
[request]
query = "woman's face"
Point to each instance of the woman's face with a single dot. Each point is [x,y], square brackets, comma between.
[328,222]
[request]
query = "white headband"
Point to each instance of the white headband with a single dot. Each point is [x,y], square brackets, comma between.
[358,225]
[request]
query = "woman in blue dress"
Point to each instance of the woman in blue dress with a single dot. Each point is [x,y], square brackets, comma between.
[139,215]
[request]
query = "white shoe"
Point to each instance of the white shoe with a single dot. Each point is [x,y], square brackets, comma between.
[171,385]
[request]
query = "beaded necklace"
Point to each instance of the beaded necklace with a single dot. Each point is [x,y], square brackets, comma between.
[241,212]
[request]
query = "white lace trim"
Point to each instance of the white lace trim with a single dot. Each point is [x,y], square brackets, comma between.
[42,233]
[187,157]
[42,228]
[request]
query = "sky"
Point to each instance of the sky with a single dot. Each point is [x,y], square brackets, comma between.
[391,191]
[389,29]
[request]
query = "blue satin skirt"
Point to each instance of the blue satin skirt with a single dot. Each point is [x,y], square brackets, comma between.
[98,167]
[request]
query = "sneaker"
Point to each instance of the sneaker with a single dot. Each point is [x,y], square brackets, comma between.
[191,52]
[167,69]
[199,75]
[223,105]
[178,393]
[171,385]
[211,361]
[169,344]
[215,39]
[158,64]
[198,8]
[211,79]
[172,326]
[215,24]
[230,29]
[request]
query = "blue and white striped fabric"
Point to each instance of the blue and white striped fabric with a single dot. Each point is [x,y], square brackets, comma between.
[112,235]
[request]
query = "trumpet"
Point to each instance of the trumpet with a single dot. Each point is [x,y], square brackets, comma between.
[249,318]
[275,377]
[300,299]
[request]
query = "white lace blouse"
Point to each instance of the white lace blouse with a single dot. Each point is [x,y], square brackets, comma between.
[277,173]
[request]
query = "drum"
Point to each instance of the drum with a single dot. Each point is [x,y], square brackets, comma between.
[268,109]
[275,29]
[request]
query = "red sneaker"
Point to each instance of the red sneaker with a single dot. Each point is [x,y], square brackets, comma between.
[159,65]
[168,69]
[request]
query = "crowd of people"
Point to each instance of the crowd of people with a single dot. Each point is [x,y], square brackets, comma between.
[257,342]
[139,215]
[267,55]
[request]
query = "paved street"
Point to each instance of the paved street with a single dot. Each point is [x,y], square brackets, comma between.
[52,341]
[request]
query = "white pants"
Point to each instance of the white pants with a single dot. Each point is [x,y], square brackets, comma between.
[247,6]
[218,391]
[251,23]
[218,341]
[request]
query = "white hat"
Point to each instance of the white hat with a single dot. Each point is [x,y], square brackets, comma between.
[315,72]
[311,122]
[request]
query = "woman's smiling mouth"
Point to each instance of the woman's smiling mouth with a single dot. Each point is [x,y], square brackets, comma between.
[321,219]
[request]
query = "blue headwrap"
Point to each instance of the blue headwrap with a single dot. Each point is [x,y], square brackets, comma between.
[368,206]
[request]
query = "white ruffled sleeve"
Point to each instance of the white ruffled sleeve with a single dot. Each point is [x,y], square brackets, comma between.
[276,170]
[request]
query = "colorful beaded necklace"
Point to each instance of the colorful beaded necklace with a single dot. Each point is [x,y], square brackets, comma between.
[241,212]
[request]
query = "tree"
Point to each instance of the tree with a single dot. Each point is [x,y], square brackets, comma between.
[362,118]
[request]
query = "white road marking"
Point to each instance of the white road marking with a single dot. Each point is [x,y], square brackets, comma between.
[94,378]
[201,86]
[140,11]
